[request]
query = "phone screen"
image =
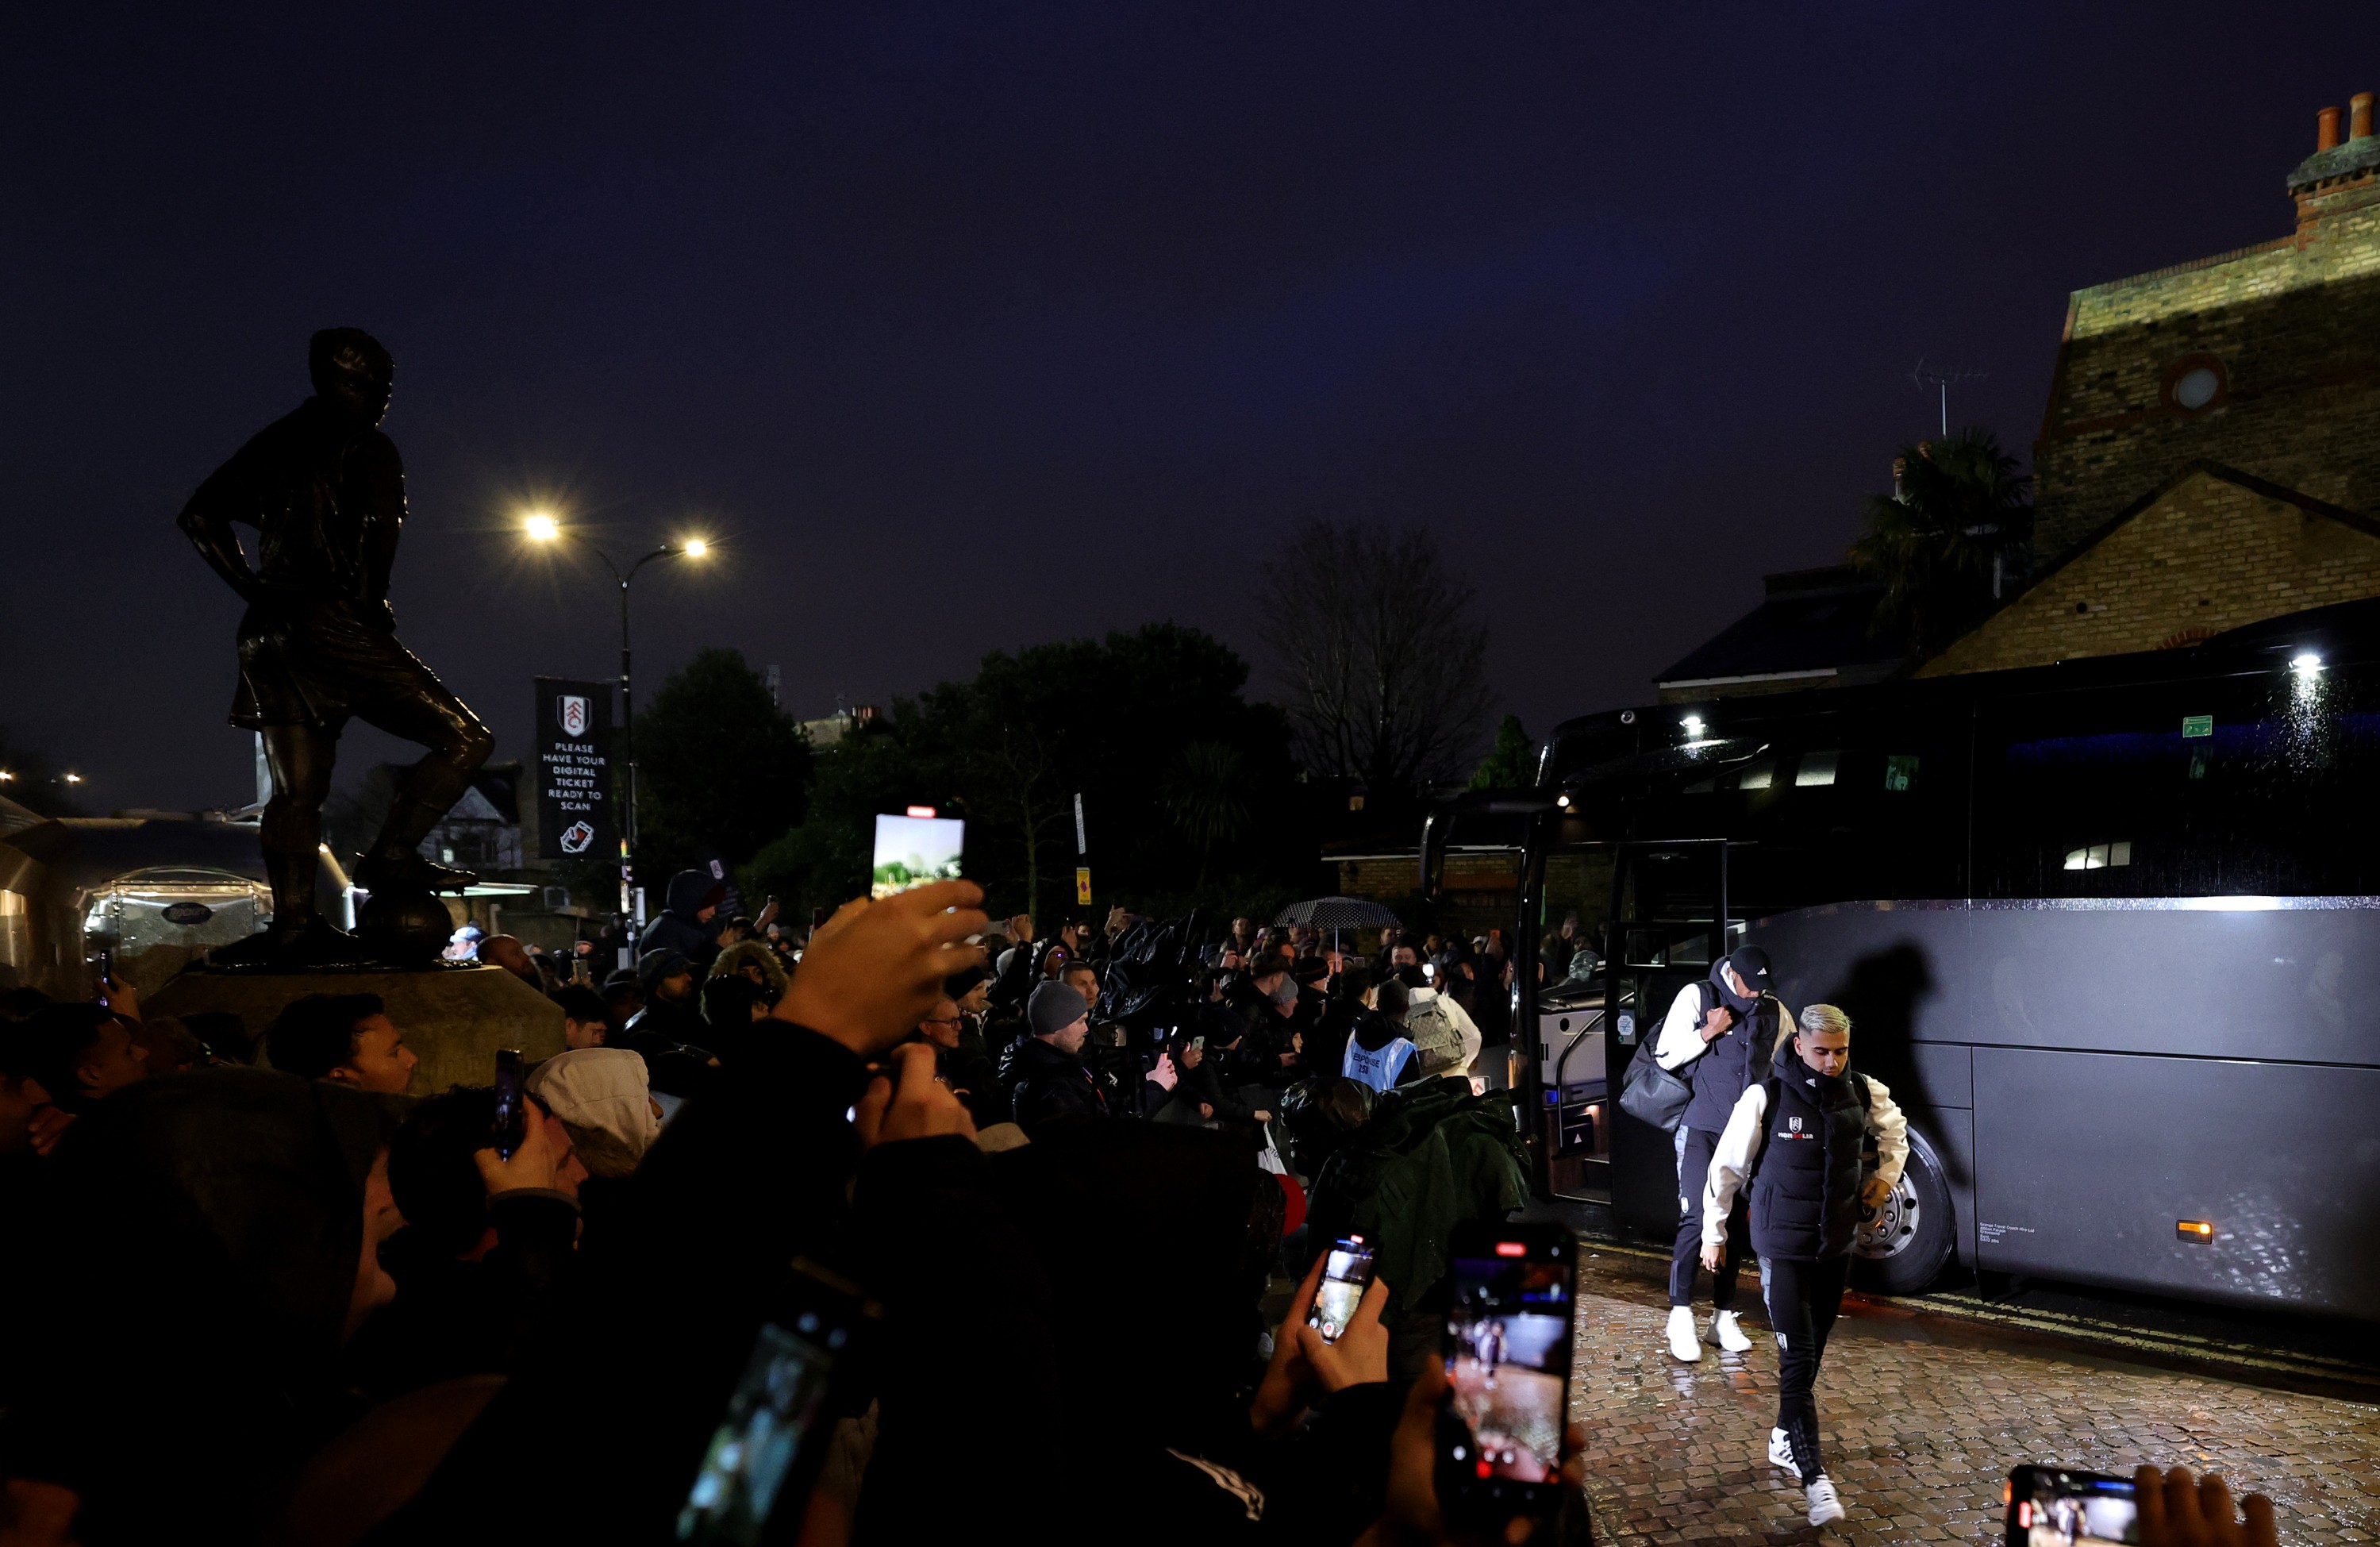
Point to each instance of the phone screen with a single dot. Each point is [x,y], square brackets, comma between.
[2050,1507]
[1345,1276]
[1508,1356]
[912,851]
[772,1416]
[511,1123]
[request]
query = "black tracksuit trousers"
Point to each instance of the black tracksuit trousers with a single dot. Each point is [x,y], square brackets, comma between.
[1804,1295]
[1685,1257]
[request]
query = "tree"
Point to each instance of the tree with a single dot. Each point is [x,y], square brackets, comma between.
[1958,530]
[1386,668]
[1177,772]
[1513,763]
[1208,796]
[720,768]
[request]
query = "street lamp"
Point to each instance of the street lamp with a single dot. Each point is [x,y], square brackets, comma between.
[541,526]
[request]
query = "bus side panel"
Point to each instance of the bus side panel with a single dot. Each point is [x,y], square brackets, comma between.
[2215,977]
[2090,1162]
[1951,1131]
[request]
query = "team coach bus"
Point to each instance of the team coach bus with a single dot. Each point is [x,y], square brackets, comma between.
[2110,928]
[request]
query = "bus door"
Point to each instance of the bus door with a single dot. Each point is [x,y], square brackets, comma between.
[1668,924]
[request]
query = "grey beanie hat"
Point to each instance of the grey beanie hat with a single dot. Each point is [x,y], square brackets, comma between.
[1054,1008]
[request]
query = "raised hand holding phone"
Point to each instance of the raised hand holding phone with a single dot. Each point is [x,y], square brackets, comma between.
[536,1161]
[873,970]
[1296,1376]
[907,1102]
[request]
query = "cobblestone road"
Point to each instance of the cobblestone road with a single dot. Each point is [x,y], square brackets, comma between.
[1920,1420]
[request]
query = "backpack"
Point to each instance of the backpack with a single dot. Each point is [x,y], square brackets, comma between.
[1432,1031]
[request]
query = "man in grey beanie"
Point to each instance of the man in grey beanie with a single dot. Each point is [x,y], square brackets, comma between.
[1043,1072]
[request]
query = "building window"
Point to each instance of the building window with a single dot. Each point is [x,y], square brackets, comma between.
[2194,383]
[1899,771]
[2099,857]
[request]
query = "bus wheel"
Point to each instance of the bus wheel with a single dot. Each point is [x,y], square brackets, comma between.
[1902,1249]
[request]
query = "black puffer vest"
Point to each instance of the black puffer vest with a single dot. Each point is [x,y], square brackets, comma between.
[1806,1181]
[1722,1074]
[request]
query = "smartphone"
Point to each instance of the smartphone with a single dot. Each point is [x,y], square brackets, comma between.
[1346,1273]
[756,1474]
[913,848]
[511,1125]
[2049,1506]
[1508,1355]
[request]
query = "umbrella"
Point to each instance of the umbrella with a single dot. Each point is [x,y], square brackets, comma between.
[1338,913]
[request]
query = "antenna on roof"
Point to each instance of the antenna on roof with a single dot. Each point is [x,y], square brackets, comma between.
[1941,377]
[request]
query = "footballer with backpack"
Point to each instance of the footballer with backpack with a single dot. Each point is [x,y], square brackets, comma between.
[1793,1143]
[1719,1035]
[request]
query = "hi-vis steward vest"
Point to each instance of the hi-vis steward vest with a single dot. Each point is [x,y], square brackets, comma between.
[1378,1069]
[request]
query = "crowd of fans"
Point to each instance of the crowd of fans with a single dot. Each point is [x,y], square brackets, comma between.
[283,1296]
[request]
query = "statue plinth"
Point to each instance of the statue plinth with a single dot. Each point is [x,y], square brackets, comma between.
[454,1017]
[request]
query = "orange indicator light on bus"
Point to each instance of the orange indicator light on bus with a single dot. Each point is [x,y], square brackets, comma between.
[2200,1230]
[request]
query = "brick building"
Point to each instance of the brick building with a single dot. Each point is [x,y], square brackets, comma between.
[2211,452]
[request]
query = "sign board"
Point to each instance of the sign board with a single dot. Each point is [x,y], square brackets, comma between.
[2197,725]
[1083,886]
[574,773]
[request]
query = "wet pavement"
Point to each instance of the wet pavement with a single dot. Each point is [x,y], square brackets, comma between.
[1920,1419]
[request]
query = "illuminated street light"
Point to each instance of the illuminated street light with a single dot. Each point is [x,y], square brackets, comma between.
[74,778]
[6,775]
[1693,725]
[541,526]
[2305,663]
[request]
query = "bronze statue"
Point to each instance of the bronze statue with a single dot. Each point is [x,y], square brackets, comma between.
[318,645]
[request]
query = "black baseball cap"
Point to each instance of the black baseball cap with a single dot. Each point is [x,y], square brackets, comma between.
[1751,964]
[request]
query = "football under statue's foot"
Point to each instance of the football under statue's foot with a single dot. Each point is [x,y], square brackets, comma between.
[409,871]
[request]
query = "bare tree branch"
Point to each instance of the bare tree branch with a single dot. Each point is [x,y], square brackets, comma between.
[1386,670]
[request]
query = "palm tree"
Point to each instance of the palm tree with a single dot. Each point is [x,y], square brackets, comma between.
[1949,543]
[1208,796]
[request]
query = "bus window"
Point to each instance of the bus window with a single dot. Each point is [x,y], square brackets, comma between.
[2240,786]
[1816,769]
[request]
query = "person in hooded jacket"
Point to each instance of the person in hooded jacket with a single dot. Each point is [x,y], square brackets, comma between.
[1793,1142]
[1720,1035]
[487,1249]
[260,1199]
[685,924]
[669,1033]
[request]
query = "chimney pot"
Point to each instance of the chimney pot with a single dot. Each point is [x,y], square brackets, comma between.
[2358,115]
[2326,129]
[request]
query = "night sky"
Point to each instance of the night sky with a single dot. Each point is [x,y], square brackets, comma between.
[974,326]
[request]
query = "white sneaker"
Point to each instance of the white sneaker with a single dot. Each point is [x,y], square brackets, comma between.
[1780,1450]
[1825,1506]
[1684,1343]
[1728,1335]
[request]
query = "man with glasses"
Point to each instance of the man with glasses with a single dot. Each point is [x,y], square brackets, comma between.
[961,1063]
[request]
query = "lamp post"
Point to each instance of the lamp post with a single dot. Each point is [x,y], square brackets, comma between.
[542,528]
